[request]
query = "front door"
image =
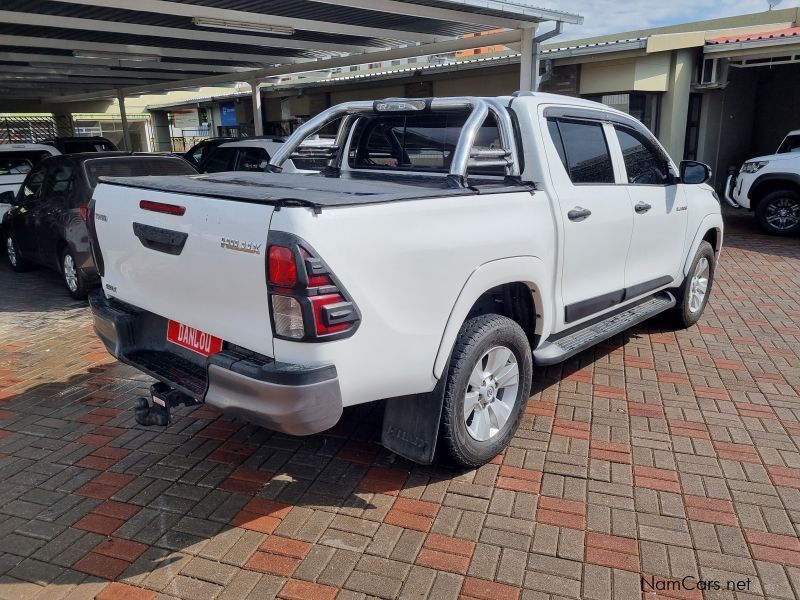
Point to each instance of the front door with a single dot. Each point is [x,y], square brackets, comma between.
[595,215]
[659,210]
[30,196]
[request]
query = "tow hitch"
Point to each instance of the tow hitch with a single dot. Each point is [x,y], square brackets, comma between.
[163,399]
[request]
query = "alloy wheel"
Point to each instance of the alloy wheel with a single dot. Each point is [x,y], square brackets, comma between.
[491,393]
[70,273]
[783,214]
[11,251]
[698,286]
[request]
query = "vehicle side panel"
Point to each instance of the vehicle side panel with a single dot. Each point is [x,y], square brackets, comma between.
[405,265]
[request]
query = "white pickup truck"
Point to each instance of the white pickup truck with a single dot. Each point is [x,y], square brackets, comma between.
[451,246]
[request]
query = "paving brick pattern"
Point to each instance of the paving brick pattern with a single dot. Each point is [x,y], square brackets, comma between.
[659,455]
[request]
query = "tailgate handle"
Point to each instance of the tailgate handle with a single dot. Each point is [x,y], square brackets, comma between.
[160,240]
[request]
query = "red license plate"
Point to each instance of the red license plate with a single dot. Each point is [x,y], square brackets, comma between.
[193,339]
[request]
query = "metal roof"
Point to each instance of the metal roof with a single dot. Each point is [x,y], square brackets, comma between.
[71,49]
[778,34]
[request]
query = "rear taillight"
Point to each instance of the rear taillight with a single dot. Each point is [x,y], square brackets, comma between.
[307,302]
[83,209]
[282,267]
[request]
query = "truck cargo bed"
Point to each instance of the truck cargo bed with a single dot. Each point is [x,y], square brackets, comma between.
[289,189]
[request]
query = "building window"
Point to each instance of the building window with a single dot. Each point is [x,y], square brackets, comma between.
[643,106]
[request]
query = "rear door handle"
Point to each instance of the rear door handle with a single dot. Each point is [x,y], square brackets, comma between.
[579,214]
[642,207]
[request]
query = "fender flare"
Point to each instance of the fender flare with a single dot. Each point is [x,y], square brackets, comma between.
[526,269]
[792,178]
[709,222]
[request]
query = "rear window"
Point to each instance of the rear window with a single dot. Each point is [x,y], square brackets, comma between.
[34,156]
[15,166]
[417,142]
[135,166]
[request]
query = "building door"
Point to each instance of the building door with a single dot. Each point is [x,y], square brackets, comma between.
[693,127]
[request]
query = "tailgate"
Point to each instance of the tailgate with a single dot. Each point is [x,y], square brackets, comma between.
[205,268]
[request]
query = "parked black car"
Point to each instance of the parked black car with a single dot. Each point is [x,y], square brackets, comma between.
[201,150]
[75,145]
[46,224]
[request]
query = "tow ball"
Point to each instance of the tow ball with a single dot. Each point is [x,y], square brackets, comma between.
[164,398]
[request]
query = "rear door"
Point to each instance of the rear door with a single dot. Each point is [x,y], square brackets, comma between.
[595,215]
[205,268]
[659,211]
[52,213]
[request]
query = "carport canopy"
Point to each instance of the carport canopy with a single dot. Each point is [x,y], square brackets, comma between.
[56,51]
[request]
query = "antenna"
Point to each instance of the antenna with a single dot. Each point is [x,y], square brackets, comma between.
[773,3]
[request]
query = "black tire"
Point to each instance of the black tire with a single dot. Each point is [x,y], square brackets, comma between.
[685,312]
[13,256]
[477,337]
[778,213]
[77,287]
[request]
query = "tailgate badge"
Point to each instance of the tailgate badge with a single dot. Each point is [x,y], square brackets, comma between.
[240,246]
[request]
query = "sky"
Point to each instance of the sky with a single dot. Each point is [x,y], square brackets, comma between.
[612,16]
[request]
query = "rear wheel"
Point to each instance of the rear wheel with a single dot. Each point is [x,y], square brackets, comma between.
[73,279]
[12,254]
[778,213]
[487,389]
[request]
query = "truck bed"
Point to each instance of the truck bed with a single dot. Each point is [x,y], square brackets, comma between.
[289,189]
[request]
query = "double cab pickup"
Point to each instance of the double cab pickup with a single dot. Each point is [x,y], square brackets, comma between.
[448,248]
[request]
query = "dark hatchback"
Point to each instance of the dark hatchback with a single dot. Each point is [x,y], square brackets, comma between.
[46,224]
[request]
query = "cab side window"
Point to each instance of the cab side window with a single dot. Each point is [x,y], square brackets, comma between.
[32,188]
[583,150]
[644,162]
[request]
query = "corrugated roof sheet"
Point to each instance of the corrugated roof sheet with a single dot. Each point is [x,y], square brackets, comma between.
[787,32]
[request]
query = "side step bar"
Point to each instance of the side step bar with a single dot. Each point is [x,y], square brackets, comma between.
[556,350]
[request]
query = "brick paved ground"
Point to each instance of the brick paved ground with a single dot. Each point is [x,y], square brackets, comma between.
[666,453]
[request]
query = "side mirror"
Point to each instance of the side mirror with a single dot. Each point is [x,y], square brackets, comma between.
[694,173]
[8,197]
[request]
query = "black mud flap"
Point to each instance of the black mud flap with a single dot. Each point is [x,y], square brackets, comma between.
[411,424]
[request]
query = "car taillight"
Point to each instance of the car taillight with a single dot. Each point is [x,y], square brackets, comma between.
[307,302]
[83,209]
[282,267]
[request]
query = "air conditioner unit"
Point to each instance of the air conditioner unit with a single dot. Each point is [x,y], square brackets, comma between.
[713,74]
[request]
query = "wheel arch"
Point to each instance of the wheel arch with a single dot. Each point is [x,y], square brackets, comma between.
[512,285]
[772,182]
[710,230]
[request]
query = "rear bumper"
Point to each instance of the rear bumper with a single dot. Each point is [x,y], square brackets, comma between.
[293,399]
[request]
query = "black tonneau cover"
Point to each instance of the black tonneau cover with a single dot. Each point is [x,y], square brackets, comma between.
[290,189]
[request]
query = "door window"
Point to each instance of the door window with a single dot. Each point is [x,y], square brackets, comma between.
[59,184]
[644,163]
[583,149]
[32,188]
[222,159]
[253,159]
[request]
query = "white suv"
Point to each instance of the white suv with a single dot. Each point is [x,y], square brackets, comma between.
[770,186]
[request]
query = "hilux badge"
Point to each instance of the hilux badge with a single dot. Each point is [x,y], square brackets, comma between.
[240,246]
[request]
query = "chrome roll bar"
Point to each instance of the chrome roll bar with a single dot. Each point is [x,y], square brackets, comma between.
[465,154]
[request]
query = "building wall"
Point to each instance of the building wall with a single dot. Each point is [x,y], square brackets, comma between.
[728,123]
[777,108]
